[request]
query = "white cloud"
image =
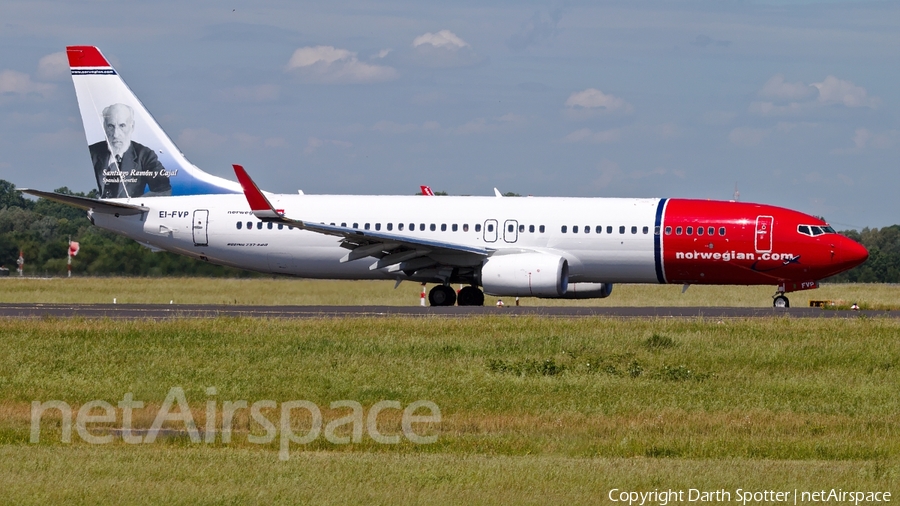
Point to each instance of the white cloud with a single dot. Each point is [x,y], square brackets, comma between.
[777,88]
[443,38]
[593,101]
[863,139]
[327,64]
[746,137]
[588,135]
[260,93]
[18,83]
[381,54]
[443,49]
[786,98]
[837,91]
[53,66]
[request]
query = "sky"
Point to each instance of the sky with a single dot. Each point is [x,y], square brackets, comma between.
[795,103]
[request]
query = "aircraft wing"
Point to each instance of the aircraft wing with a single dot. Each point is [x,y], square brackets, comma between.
[390,249]
[100,206]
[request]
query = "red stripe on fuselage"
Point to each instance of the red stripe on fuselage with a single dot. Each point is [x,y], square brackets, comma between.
[85,56]
[733,257]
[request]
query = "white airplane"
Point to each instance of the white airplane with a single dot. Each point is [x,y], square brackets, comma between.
[535,246]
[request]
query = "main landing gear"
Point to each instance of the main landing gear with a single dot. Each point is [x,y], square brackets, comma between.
[444,295]
[780,301]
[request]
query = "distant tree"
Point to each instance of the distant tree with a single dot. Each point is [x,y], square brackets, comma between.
[10,197]
[511,194]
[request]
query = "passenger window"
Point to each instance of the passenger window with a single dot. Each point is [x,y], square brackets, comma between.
[609,229]
[332,224]
[587,229]
[541,229]
[599,229]
[531,228]
[510,228]
[621,229]
[378,226]
[240,225]
[432,227]
[478,227]
[443,227]
[390,226]
[466,227]
[563,229]
[259,225]
[249,225]
[269,225]
[344,224]
[412,227]
[490,227]
[668,230]
[647,229]
[367,226]
[575,229]
[678,230]
[721,230]
[699,230]
[356,225]
[521,228]
[290,227]
[690,231]
[421,227]
[711,230]
[280,226]
[455,227]
[400,226]
[633,230]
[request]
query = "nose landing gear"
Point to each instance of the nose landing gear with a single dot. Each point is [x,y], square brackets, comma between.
[780,301]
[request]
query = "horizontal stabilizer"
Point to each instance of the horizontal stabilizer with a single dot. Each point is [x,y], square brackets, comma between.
[100,206]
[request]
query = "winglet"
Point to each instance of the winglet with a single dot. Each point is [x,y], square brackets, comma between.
[259,204]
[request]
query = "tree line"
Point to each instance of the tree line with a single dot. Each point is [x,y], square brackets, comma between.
[41,230]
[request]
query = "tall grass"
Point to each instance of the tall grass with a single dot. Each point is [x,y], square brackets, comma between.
[282,291]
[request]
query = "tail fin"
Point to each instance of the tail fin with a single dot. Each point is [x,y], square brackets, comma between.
[131,155]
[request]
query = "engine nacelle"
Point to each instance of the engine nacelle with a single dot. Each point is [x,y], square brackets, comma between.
[525,275]
[588,291]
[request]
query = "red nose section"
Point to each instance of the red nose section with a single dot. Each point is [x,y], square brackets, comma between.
[853,253]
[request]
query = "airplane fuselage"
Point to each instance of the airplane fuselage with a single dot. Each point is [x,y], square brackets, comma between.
[604,240]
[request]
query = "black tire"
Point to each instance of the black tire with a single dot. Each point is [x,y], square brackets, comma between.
[781,302]
[471,296]
[442,295]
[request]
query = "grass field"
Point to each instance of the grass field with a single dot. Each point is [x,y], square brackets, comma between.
[314,292]
[533,410]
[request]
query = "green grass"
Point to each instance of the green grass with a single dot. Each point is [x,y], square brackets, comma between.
[534,410]
[316,292]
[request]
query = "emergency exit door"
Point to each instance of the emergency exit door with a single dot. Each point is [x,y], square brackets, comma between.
[201,220]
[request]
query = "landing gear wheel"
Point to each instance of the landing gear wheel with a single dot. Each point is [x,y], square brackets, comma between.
[471,296]
[781,301]
[442,295]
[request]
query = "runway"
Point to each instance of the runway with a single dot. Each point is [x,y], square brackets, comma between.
[163,311]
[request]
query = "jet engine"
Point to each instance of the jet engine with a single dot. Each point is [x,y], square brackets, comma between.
[525,275]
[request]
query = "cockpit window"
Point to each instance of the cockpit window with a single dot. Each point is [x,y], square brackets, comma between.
[814,230]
